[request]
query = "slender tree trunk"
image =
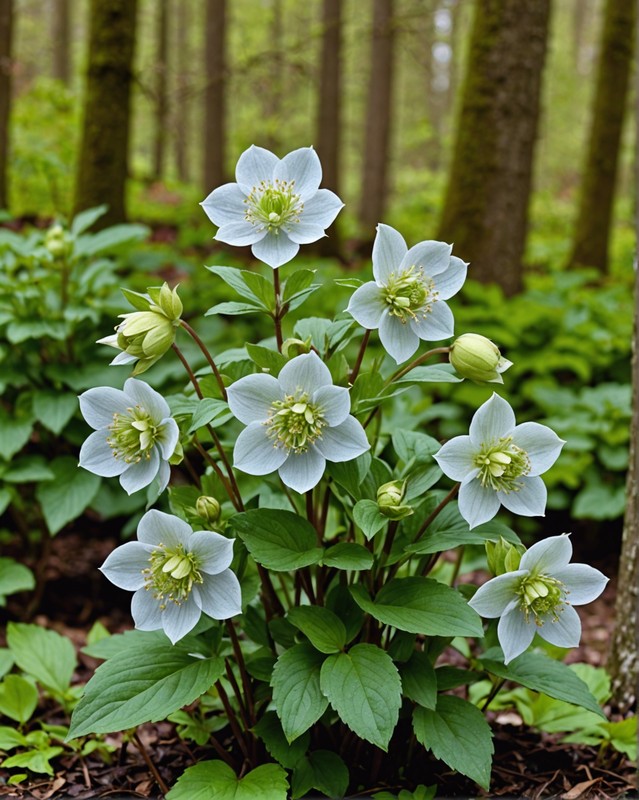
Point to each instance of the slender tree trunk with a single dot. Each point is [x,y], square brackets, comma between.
[215,95]
[183,100]
[580,15]
[6,25]
[161,103]
[273,97]
[378,120]
[594,217]
[103,162]
[486,204]
[329,112]
[61,32]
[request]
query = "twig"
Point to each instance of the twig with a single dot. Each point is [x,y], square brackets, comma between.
[153,769]
[360,357]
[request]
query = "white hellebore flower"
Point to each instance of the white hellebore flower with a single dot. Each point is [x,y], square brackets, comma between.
[499,463]
[134,437]
[176,575]
[295,423]
[406,299]
[275,206]
[539,597]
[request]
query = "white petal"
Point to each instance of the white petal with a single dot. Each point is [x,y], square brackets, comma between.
[456,458]
[437,324]
[156,528]
[389,248]
[367,305]
[304,232]
[583,583]
[540,443]
[124,565]
[335,403]
[225,204]
[275,249]
[163,477]
[111,341]
[250,398]
[398,338]
[431,257]
[305,373]
[240,234]
[99,405]
[322,208]
[529,501]
[302,166]
[138,475]
[477,504]
[563,632]
[255,165]
[451,280]
[214,551]
[122,358]
[178,620]
[255,453]
[514,633]
[492,421]
[220,596]
[492,599]
[343,442]
[140,393]
[146,612]
[97,456]
[303,471]
[168,435]
[548,556]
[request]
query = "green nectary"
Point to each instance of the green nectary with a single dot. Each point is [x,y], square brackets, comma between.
[172,574]
[273,204]
[501,463]
[133,435]
[410,294]
[295,423]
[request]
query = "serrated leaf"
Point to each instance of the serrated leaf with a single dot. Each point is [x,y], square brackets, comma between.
[419,681]
[321,626]
[279,540]
[350,474]
[18,698]
[348,555]
[322,770]
[368,517]
[458,734]
[54,409]
[269,729]
[297,696]
[215,779]
[364,688]
[66,497]
[142,685]
[44,654]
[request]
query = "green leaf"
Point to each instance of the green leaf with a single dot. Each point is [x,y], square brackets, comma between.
[54,409]
[279,540]
[6,661]
[301,279]
[368,517]
[250,285]
[84,220]
[415,447]
[421,605]
[348,555]
[10,738]
[28,469]
[45,655]
[142,685]
[14,433]
[269,729]
[363,686]
[233,308]
[14,577]
[110,239]
[322,770]
[215,779]
[210,411]
[439,373]
[419,681]
[324,629]
[18,698]
[5,499]
[35,760]
[350,474]
[265,358]
[297,696]
[20,330]
[542,674]
[458,734]
[65,498]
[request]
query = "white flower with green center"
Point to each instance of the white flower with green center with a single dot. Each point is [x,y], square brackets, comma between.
[176,575]
[539,597]
[499,463]
[406,301]
[295,423]
[134,436]
[275,206]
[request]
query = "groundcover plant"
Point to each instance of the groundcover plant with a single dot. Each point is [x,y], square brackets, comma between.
[302,596]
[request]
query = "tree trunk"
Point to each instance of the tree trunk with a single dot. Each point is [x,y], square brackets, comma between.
[486,205]
[273,97]
[329,111]
[214,95]
[183,100]
[6,25]
[594,217]
[378,120]
[161,74]
[61,32]
[103,160]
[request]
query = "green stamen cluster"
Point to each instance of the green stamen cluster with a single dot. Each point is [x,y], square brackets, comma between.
[273,204]
[132,435]
[410,294]
[541,595]
[295,423]
[172,574]
[500,464]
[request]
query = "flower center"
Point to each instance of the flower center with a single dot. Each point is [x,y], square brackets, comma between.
[500,464]
[540,595]
[295,423]
[133,435]
[410,294]
[273,204]
[172,574]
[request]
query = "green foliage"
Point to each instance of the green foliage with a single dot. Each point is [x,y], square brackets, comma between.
[14,577]
[208,778]
[44,654]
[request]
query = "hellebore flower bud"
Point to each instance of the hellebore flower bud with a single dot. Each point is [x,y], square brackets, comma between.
[477,358]
[295,347]
[503,556]
[57,242]
[389,500]
[208,509]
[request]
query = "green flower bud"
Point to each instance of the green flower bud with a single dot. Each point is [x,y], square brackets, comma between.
[57,242]
[295,347]
[477,358]
[208,509]
[389,500]
[166,301]
[145,335]
[503,556]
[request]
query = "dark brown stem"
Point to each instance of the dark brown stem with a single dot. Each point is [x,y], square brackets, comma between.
[152,768]
[209,460]
[191,470]
[274,604]
[239,657]
[238,695]
[457,567]
[230,715]
[493,693]
[207,356]
[189,371]
[277,314]
[222,753]
[360,356]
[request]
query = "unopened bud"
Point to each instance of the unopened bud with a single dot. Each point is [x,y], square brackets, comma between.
[477,358]
[389,500]
[295,347]
[503,556]
[208,509]
[57,242]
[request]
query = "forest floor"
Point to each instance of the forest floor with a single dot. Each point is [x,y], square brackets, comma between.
[527,764]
